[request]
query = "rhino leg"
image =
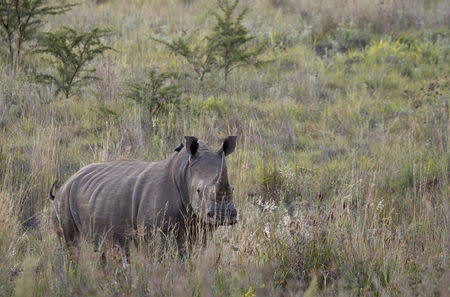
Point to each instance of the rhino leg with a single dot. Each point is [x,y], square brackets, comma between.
[64,224]
[191,235]
[181,245]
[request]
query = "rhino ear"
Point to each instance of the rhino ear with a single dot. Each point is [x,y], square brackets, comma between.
[229,144]
[191,145]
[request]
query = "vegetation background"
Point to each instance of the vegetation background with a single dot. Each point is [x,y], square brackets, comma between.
[340,174]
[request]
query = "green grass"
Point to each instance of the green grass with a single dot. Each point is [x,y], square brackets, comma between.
[340,173]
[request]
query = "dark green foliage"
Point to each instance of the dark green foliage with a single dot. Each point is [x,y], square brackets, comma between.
[104,114]
[225,48]
[201,58]
[157,93]
[229,39]
[71,52]
[19,22]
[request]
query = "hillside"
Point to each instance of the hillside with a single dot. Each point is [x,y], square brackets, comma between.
[340,171]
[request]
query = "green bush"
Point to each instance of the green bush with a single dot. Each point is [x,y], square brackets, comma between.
[157,93]
[19,22]
[224,49]
[71,52]
[195,51]
[229,39]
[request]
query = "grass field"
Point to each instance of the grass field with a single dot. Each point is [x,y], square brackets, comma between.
[341,172]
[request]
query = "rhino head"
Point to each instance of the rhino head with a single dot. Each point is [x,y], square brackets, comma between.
[210,193]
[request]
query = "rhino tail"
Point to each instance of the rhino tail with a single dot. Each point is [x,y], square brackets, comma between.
[52,197]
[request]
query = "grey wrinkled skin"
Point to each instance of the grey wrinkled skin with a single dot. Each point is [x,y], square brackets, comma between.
[187,191]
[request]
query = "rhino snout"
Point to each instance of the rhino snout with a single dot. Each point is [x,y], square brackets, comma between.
[231,212]
[223,214]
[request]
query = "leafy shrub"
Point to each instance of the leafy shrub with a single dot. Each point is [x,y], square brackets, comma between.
[157,93]
[71,52]
[19,22]
[229,39]
[195,51]
[225,48]
[105,114]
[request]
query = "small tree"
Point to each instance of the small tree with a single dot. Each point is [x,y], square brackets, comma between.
[229,39]
[157,93]
[225,48]
[200,57]
[71,52]
[19,22]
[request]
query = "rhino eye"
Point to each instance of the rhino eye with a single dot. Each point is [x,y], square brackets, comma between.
[232,188]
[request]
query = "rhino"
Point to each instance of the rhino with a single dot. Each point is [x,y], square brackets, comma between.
[187,192]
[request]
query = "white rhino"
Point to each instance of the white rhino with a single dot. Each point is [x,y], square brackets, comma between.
[185,193]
